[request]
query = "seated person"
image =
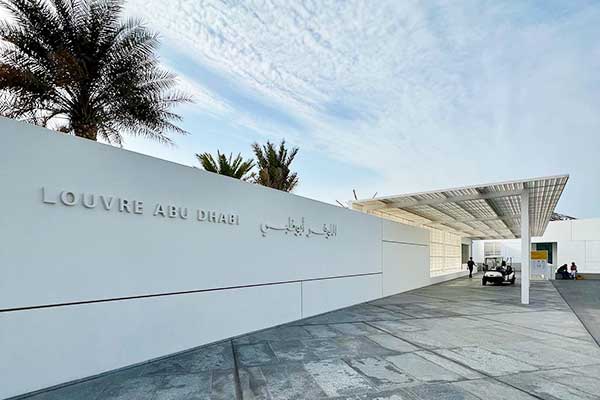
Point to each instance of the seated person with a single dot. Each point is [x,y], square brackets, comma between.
[563,271]
[573,270]
[502,267]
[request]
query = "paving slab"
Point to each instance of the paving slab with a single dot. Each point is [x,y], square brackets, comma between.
[284,381]
[419,310]
[186,386]
[217,356]
[280,333]
[562,323]
[490,389]
[255,354]
[394,326]
[223,386]
[321,331]
[545,385]
[141,387]
[392,343]
[253,384]
[298,350]
[486,361]
[382,374]
[337,378]
[359,346]
[584,379]
[542,354]
[450,365]
[423,369]
[441,392]
[355,329]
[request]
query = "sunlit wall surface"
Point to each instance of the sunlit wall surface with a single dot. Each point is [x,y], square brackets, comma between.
[444,246]
[445,252]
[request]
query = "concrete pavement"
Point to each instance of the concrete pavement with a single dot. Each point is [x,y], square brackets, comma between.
[584,299]
[457,340]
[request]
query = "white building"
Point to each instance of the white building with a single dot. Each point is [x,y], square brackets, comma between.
[566,241]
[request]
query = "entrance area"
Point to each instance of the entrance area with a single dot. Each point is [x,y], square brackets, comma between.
[546,247]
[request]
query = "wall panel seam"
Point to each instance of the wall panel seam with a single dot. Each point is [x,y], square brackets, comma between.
[409,243]
[180,292]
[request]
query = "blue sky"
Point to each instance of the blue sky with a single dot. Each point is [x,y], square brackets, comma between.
[391,96]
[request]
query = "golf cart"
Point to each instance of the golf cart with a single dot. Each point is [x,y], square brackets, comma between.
[491,262]
[499,274]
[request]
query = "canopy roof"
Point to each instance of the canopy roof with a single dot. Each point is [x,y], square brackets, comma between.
[488,211]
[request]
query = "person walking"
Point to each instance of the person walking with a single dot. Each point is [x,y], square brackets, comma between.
[470,265]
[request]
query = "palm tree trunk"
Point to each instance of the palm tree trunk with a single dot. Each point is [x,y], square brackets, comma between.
[87,131]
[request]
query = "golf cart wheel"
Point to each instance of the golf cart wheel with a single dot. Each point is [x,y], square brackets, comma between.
[483,282]
[512,281]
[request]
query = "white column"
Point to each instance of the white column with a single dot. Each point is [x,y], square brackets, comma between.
[525,247]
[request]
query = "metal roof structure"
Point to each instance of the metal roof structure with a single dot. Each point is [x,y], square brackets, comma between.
[488,211]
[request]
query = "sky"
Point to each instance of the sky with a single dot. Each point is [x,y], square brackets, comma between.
[391,97]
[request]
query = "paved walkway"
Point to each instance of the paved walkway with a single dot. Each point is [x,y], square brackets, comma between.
[584,299]
[456,340]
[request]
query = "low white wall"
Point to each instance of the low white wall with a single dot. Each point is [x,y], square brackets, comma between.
[405,251]
[324,295]
[114,281]
[46,346]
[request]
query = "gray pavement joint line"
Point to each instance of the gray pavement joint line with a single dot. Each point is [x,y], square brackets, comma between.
[577,315]
[428,297]
[541,370]
[457,362]
[379,320]
[236,374]
[392,311]
[427,349]
[410,317]
[538,330]
[372,320]
[458,315]
[365,377]
[449,300]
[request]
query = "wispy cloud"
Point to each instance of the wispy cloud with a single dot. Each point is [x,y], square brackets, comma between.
[425,93]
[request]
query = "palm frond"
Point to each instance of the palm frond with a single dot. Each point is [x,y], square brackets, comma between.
[78,60]
[233,167]
[274,166]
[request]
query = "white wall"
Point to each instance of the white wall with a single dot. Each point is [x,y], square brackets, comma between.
[577,240]
[86,290]
[405,250]
[46,346]
[510,248]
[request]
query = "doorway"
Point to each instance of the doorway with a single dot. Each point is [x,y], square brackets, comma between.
[548,248]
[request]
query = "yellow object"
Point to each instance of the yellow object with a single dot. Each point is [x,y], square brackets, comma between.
[539,255]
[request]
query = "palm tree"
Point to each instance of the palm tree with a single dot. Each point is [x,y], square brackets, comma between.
[236,168]
[274,166]
[75,66]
